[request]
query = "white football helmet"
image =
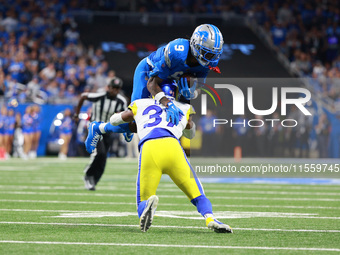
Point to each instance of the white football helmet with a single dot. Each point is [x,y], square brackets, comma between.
[206,44]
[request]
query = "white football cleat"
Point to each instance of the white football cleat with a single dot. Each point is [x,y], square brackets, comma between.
[148,213]
[218,226]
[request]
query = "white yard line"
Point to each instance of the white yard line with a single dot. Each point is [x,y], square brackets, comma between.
[191,215]
[174,246]
[104,185]
[114,187]
[167,196]
[172,226]
[165,204]
[66,202]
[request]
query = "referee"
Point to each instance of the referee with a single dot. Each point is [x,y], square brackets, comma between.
[105,104]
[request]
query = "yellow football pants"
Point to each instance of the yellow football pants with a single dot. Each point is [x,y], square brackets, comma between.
[165,156]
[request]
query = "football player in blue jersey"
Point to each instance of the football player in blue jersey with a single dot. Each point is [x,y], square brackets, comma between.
[158,136]
[195,57]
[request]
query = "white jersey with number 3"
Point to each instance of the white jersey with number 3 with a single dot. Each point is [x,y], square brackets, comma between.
[149,114]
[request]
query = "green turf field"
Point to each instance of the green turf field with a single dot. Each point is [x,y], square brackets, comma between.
[46,210]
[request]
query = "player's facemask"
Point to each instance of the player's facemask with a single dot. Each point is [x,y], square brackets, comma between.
[206,44]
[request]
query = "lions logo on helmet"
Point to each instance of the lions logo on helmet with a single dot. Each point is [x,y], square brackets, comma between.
[206,44]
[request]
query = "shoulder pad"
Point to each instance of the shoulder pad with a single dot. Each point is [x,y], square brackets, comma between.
[176,51]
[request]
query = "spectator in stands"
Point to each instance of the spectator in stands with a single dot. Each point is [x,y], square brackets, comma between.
[241,133]
[18,140]
[261,137]
[3,118]
[322,130]
[36,116]
[9,131]
[48,73]
[279,33]
[275,137]
[27,129]
[65,133]
[209,138]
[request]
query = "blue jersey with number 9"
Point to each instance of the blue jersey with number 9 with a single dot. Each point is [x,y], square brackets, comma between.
[167,62]
[170,61]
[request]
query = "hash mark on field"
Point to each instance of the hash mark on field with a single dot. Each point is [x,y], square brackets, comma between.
[175,246]
[176,227]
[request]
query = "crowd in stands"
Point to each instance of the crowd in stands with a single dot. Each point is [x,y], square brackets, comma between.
[41,58]
[306,32]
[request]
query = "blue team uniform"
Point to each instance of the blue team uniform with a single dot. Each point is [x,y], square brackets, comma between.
[168,62]
[27,122]
[66,126]
[10,125]
[36,123]
[2,124]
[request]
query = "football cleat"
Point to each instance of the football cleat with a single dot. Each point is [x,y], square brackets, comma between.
[93,136]
[148,213]
[218,226]
[128,137]
[89,182]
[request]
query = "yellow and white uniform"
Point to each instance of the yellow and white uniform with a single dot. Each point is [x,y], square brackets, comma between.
[160,150]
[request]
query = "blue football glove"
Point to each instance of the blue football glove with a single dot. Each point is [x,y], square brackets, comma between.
[173,113]
[188,93]
[128,137]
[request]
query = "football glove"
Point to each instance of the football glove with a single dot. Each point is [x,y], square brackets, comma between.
[188,93]
[173,113]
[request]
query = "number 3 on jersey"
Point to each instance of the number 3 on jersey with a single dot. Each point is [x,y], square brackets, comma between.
[156,116]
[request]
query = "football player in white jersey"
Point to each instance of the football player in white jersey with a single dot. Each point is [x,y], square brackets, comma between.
[196,57]
[161,153]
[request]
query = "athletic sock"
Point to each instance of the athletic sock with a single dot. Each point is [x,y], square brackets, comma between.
[141,207]
[202,204]
[108,128]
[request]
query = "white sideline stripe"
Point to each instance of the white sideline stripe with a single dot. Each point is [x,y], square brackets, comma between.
[175,189]
[165,204]
[161,226]
[175,246]
[166,196]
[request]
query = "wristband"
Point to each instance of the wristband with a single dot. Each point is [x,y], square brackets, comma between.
[159,96]
[190,133]
[116,119]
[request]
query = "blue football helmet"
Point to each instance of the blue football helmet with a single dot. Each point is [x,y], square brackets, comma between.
[206,44]
[169,87]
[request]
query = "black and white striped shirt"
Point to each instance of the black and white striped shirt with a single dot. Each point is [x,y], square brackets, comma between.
[104,106]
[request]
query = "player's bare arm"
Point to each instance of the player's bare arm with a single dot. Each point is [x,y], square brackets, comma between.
[154,89]
[82,99]
[190,129]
